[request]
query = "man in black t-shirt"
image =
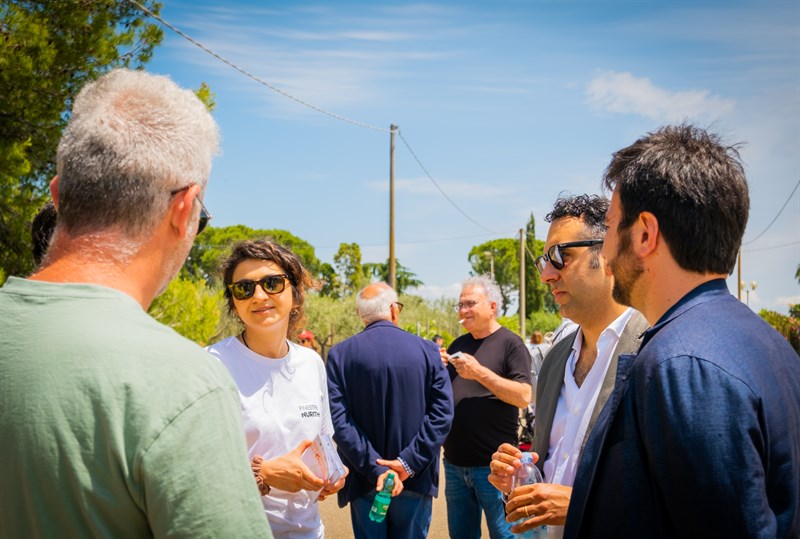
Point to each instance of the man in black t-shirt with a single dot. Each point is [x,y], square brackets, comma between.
[491,381]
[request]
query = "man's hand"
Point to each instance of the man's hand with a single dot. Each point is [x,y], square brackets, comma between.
[288,472]
[540,503]
[398,483]
[467,367]
[395,466]
[505,463]
[334,488]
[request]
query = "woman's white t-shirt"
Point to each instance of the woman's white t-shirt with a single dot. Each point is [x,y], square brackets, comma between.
[284,401]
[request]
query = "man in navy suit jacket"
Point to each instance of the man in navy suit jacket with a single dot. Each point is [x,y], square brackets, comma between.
[701,435]
[391,406]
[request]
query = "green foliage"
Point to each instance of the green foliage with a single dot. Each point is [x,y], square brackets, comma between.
[509,322]
[543,321]
[788,326]
[505,252]
[405,278]
[214,244]
[190,307]
[48,50]
[347,262]
[208,97]
[537,294]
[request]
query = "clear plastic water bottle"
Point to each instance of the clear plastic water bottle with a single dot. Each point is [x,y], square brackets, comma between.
[382,500]
[528,474]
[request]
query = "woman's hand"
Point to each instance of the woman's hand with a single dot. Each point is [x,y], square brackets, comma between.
[288,472]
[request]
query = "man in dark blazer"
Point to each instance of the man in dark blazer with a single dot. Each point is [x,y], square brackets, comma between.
[391,406]
[577,375]
[701,435]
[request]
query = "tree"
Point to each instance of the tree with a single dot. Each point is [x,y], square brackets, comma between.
[405,278]
[347,262]
[214,244]
[537,294]
[48,50]
[503,254]
[191,308]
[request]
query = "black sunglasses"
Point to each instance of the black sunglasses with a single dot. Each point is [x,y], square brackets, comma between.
[555,256]
[205,215]
[272,284]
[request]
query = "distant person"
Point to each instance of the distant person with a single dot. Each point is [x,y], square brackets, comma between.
[115,425]
[439,340]
[392,405]
[44,223]
[579,372]
[538,349]
[701,435]
[491,382]
[306,338]
[282,385]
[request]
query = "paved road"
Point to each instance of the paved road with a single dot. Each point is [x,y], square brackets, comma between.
[338,525]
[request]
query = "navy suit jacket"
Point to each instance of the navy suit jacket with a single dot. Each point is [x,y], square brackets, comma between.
[390,398]
[701,436]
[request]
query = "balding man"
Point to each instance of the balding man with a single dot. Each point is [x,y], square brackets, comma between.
[391,406]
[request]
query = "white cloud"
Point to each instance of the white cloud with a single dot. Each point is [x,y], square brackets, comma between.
[623,93]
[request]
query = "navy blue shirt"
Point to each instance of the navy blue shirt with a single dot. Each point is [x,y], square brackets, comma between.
[701,437]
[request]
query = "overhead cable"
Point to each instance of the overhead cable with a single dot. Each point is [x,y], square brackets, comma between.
[465,214]
[776,216]
[253,77]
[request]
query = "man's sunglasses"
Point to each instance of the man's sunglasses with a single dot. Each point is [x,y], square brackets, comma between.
[272,284]
[205,215]
[555,256]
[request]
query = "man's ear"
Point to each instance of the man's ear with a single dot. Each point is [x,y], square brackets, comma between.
[182,209]
[54,191]
[644,234]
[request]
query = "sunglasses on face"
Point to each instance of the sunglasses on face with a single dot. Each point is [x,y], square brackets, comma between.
[272,284]
[205,215]
[555,254]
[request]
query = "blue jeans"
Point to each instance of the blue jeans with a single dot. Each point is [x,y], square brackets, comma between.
[467,490]
[408,517]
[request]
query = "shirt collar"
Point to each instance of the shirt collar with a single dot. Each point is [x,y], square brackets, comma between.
[696,296]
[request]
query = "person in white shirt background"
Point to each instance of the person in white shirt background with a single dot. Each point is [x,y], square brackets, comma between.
[578,372]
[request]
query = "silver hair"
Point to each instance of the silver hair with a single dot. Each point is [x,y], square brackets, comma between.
[133,138]
[378,307]
[489,287]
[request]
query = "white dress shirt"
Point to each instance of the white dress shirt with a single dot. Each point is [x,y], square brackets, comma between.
[575,406]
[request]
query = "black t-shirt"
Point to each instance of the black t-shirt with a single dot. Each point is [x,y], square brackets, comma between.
[482,421]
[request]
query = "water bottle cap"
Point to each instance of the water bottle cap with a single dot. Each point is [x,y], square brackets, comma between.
[527,458]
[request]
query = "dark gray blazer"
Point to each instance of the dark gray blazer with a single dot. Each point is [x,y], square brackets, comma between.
[551,379]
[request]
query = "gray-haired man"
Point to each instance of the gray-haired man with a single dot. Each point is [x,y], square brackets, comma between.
[116,425]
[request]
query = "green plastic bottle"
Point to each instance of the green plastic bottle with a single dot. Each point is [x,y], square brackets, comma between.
[382,500]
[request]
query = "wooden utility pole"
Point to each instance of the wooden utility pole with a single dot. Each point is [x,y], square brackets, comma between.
[522,313]
[739,276]
[392,265]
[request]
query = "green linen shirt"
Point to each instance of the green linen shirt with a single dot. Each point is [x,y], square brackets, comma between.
[113,425]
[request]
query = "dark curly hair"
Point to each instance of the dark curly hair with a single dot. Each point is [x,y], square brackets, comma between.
[591,210]
[268,250]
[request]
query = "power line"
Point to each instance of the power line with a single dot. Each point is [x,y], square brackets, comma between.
[253,77]
[776,216]
[773,247]
[306,104]
[476,223]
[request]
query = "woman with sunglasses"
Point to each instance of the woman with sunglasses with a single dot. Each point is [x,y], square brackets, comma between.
[282,386]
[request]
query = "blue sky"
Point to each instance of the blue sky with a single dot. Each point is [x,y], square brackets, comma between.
[506,104]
